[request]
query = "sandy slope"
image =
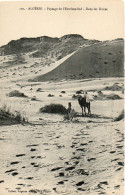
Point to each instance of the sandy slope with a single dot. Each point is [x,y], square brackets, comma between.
[96,61]
[25,71]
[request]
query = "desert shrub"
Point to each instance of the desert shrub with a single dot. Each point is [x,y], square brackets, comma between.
[105,62]
[59,57]
[113,97]
[54,108]
[79,91]
[63,92]
[39,89]
[34,99]
[114,87]
[102,96]
[16,93]
[100,93]
[120,117]
[75,96]
[50,95]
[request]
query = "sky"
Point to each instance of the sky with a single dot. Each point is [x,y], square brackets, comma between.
[16,20]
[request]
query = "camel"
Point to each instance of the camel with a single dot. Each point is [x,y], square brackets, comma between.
[83,103]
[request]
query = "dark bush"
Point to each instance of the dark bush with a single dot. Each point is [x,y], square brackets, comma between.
[75,96]
[39,89]
[113,97]
[79,92]
[50,95]
[54,108]
[16,93]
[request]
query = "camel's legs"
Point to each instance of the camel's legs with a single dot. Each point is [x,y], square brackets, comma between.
[85,110]
[89,111]
[82,111]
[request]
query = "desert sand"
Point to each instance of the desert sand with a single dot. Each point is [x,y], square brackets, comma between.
[50,155]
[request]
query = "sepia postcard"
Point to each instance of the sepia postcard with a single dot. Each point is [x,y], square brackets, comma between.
[62,97]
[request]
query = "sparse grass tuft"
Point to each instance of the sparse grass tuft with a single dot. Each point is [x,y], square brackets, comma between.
[7,117]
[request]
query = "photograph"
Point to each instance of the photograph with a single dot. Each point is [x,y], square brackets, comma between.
[62,97]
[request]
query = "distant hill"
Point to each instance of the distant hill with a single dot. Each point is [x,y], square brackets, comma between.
[103,59]
[92,58]
[44,46]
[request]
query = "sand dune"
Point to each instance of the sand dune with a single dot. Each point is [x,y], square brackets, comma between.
[95,61]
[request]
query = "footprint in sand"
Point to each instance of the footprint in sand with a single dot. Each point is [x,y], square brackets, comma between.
[82,172]
[80,183]
[70,168]
[83,144]
[18,188]
[72,146]
[90,141]
[40,157]
[35,165]
[115,159]
[61,174]
[90,159]
[118,169]
[119,147]
[60,182]
[121,163]
[33,157]
[81,189]
[38,137]
[33,145]
[11,170]
[112,152]
[19,155]
[33,191]
[102,183]
[14,173]
[57,168]
[116,187]
[76,162]
[21,184]
[1,181]
[81,149]
[30,178]
[32,149]
[14,163]
[76,157]
[121,140]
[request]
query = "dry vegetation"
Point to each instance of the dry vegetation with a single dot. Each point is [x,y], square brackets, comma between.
[54,108]
[16,93]
[7,117]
